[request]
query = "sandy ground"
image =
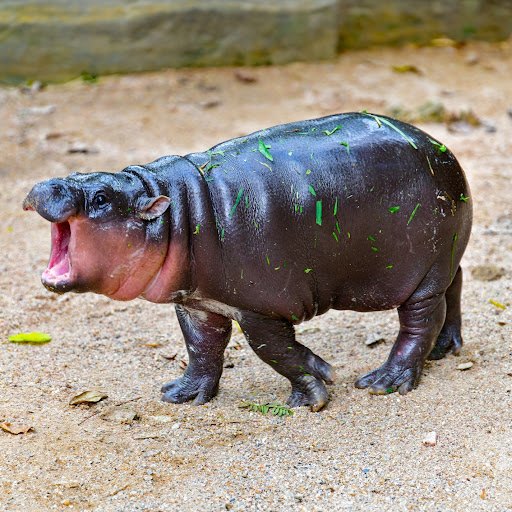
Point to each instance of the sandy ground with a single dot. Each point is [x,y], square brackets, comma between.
[362,452]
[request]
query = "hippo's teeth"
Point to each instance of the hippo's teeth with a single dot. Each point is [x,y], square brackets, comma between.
[59,265]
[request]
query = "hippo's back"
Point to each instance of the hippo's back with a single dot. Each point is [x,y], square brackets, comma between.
[348,211]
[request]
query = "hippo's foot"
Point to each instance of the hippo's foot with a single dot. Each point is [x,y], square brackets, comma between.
[206,336]
[201,389]
[390,378]
[420,325]
[448,340]
[274,342]
[308,389]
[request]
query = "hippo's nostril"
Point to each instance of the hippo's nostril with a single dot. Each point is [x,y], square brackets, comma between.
[27,206]
[52,199]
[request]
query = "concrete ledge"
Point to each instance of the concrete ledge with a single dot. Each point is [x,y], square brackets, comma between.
[55,40]
[365,23]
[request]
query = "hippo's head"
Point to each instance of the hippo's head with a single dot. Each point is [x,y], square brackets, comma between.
[109,234]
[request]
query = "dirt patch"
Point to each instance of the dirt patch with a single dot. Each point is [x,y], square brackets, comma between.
[361,452]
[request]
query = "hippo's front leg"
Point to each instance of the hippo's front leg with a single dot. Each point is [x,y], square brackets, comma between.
[273,340]
[206,337]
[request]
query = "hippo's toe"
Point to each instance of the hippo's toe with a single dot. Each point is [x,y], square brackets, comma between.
[200,389]
[450,339]
[308,390]
[388,379]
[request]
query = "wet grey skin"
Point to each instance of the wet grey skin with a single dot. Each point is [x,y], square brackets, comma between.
[350,212]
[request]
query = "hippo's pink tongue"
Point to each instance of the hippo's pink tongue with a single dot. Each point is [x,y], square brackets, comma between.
[59,265]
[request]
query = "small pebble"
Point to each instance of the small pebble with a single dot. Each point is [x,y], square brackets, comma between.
[42,110]
[210,104]
[374,338]
[119,414]
[245,77]
[460,127]
[472,59]
[487,272]
[309,330]
[465,366]
[505,317]
[80,147]
[163,418]
[35,86]
[489,126]
[430,439]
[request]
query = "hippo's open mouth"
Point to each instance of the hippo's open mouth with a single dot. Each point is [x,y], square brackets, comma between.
[57,275]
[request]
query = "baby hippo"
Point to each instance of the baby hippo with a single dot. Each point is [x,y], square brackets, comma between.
[354,211]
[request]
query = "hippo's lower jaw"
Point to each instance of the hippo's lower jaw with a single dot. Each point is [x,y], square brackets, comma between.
[57,275]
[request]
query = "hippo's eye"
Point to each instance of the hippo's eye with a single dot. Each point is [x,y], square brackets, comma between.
[100,200]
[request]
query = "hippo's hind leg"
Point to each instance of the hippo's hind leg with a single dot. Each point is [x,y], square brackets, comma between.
[273,340]
[206,337]
[450,337]
[421,319]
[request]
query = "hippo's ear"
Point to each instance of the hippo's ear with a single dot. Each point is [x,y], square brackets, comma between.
[154,207]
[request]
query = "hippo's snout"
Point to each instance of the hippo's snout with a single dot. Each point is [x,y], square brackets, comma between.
[52,199]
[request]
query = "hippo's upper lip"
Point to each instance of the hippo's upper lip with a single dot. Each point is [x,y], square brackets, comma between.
[57,274]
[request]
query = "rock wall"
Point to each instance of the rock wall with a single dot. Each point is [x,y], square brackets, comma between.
[366,23]
[55,40]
